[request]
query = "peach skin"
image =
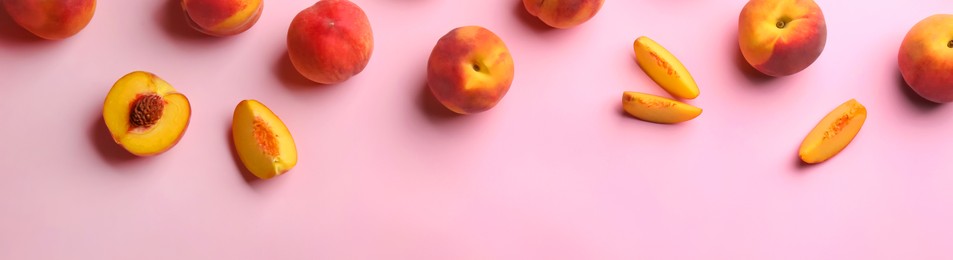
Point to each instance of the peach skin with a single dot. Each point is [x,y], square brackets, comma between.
[51,19]
[657,109]
[563,14]
[781,37]
[222,17]
[926,58]
[470,70]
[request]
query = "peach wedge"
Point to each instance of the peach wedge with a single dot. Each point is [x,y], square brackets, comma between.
[664,68]
[262,141]
[657,109]
[144,114]
[833,133]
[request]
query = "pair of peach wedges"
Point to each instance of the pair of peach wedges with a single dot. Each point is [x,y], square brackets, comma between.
[669,73]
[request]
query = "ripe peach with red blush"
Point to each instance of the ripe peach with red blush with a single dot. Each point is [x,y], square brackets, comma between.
[781,37]
[222,17]
[926,58]
[330,41]
[51,19]
[563,13]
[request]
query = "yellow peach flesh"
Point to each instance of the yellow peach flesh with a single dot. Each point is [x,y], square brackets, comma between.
[52,20]
[263,142]
[666,70]
[833,133]
[657,109]
[330,41]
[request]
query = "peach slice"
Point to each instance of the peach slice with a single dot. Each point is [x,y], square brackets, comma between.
[833,133]
[263,142]
[144,114]
[664,68]
[658,109]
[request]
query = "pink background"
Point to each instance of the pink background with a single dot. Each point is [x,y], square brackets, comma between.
[555,171]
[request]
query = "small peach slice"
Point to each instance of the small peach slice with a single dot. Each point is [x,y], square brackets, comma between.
[664,68]
[833,133]
[263,142]
[144,114]
[658,109]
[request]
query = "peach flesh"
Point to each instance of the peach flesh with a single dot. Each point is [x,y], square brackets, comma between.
[265,137]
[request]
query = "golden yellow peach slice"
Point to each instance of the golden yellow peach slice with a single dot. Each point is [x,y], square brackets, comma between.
[833,133]
[144,114]
[262,141]
[664,68]
[658,109]
[563,13]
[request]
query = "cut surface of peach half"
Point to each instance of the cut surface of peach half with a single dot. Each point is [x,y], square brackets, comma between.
[833,133]
[664,68]
[658,109]
[144,114]
[262,140]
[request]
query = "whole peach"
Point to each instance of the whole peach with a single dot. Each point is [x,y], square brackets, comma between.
[330,41]
[926,58]
[781,37]
[51,19]
[470,70]
[222,17]
[563,13]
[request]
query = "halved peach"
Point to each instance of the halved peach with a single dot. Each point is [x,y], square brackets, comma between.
[833,133]
[144,114]
[51,19]
[263,142]
[658,109]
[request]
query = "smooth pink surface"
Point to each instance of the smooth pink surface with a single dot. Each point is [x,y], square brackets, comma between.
[555,171]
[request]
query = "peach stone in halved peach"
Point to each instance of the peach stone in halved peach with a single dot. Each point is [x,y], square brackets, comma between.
[144,114]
